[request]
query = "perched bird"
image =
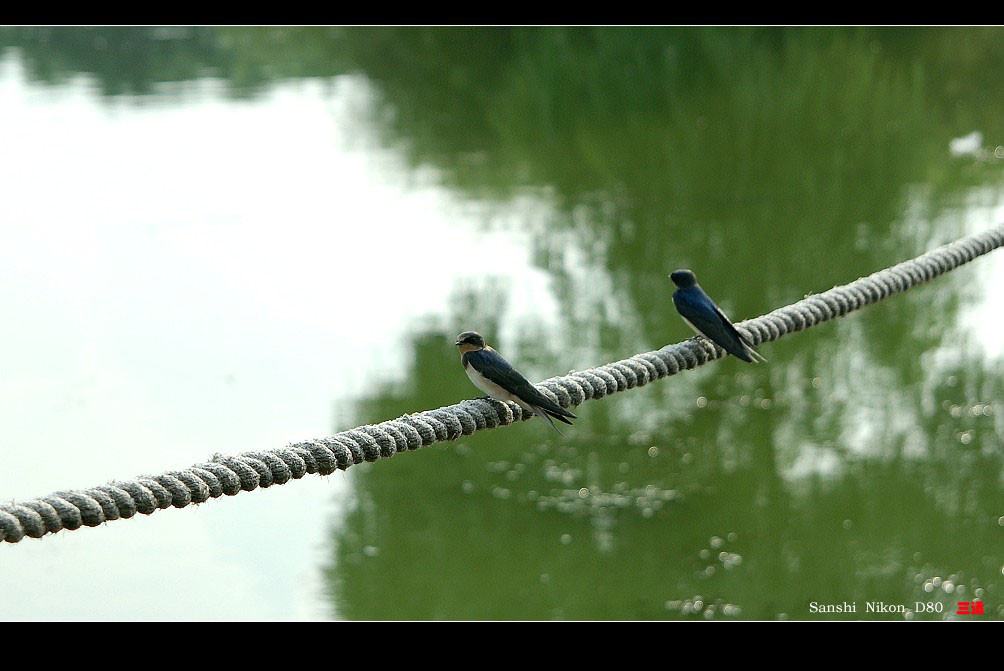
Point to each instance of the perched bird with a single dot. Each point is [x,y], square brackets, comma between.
[495,376]
[701,313]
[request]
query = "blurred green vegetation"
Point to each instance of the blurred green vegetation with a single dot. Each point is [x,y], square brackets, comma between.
[661,147]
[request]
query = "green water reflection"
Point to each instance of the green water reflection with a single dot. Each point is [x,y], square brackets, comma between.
[863,463]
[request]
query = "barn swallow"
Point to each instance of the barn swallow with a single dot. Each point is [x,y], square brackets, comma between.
[702,315]
[495,376]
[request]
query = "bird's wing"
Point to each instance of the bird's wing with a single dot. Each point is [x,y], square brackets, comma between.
[729,326]
[707,318]
[493,366]
[743,340]
[702,313]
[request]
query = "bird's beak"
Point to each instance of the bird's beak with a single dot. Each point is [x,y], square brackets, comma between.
[457,343]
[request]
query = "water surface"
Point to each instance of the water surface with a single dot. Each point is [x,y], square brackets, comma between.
[219,240]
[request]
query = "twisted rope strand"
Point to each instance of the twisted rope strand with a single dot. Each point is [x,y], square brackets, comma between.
[230,475]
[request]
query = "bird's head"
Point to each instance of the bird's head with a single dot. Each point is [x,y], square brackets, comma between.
[468,341]
[683,278]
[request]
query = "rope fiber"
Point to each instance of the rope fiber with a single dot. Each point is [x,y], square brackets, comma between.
[229,475]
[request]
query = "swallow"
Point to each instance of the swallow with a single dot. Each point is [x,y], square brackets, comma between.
[702,315]
[495,376]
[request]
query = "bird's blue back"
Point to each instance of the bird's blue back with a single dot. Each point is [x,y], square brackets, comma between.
[698,308]
[693,301]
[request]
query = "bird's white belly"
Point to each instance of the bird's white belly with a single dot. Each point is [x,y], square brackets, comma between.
[490,388]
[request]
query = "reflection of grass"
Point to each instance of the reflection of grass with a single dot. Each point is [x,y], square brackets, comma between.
[775,158]
[123,60]
[781,155]
[133,60]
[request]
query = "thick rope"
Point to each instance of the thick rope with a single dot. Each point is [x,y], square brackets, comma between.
[229,475]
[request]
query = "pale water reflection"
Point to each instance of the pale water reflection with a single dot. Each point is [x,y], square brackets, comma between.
[190,274]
